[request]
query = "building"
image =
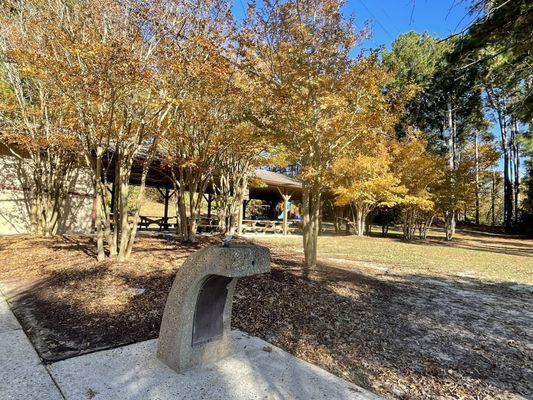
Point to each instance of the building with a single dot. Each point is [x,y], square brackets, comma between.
[15,198]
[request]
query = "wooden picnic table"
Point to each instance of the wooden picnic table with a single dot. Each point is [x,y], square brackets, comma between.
[348,223]
[163,223]
[266,226]
[250,225]
[273,227]
[145,221]
[207,224]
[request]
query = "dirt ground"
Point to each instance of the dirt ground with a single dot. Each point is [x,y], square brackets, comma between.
[402,335]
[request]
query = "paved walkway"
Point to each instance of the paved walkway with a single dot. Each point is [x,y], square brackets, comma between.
[22,376]
[256,370]
[133,372]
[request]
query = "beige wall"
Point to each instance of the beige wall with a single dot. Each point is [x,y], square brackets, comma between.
[15,199]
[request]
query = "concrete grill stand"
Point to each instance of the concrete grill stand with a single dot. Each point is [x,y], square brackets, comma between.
[195,329]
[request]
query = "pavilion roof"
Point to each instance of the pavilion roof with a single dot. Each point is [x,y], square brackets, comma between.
[267,185]
[272,184]
[272,178]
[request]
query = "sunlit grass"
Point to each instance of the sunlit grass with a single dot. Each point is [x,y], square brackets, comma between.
[486,257]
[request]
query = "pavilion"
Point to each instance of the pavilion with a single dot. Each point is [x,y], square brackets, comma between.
[15,200]
[267,186]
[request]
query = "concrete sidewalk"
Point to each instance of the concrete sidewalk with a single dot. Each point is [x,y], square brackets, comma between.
[255,370]
[22,376]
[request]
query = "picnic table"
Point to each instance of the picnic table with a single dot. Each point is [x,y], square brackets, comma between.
[348,223]
[207,224]
[163,223]
[267,226]
[250,225]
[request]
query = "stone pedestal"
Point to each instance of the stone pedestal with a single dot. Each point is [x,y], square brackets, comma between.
[195,329]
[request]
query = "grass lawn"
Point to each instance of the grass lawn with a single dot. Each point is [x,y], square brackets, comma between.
[471,254]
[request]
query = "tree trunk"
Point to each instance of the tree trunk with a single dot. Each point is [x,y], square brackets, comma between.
[99,199]
[452,151]
[476,160]
[409,226]
[361,215]
[189,201]
[123,211]
[450,221]
[508,188]
[425,224]
[311,214]
[498,104]
[139,201]
[493,198]
[515,148]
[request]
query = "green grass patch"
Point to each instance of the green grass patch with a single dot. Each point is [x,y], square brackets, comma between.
[480,256]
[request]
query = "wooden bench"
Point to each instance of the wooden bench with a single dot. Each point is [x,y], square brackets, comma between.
[145,222]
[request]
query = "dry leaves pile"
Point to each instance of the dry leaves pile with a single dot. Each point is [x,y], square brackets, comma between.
[402,336]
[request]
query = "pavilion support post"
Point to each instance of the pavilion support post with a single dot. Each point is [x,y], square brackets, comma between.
[244,205]
[167,197]
[209,202]
[241,217]
[286,197]
[113,192]
[285,217]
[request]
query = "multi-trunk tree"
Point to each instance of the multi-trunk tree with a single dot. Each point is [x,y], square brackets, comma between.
[246,151]
[419,171]
[201,78]
[316,99]
[34,125]
[98,58]
[364,181]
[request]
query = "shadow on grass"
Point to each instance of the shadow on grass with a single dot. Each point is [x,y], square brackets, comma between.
[424,333]
[513,249]
[475,242]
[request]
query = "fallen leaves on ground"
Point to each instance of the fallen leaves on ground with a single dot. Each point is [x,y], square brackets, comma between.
[402,336]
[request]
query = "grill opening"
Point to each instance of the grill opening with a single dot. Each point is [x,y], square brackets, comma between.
[209,311]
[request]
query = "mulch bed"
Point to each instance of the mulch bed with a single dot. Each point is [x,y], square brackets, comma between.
[400,336]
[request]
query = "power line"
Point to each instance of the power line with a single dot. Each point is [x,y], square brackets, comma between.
[375,18]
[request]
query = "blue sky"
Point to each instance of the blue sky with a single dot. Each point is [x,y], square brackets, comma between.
[389,18]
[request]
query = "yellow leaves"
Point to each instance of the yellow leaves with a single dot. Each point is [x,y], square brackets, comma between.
[317,96]
[419,171]
[366,179]
[489,156]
